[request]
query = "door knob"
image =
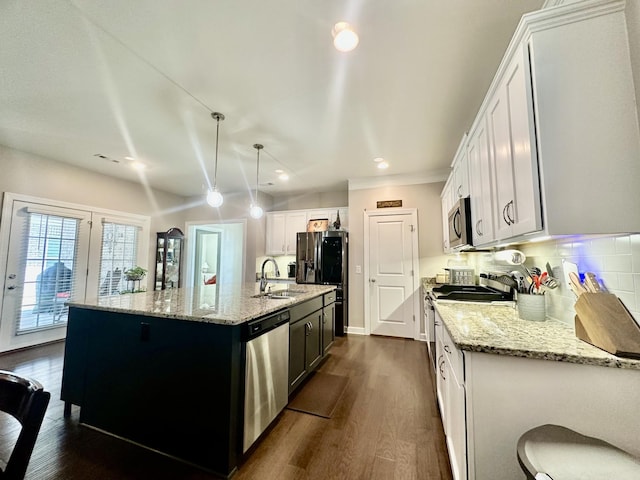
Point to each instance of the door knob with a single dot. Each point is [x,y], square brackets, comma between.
[372,280]
[11,287]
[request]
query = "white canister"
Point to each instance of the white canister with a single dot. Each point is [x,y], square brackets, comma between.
[531,307]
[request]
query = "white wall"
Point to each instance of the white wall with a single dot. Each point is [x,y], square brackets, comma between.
[424,197]
[304,201]
[28,174]
[235,207]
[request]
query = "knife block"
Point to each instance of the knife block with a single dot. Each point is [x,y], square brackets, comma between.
[603,321]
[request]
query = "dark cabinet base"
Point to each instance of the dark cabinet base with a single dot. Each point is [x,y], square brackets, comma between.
[170,385]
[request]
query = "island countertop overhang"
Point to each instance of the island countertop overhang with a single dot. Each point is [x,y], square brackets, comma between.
[219,304]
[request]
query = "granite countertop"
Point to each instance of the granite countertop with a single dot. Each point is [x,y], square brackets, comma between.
[497,329]
[222,304]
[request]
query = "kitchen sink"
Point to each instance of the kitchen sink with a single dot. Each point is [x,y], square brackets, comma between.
[282,294]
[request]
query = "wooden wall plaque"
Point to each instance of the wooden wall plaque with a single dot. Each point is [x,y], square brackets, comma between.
[389,203]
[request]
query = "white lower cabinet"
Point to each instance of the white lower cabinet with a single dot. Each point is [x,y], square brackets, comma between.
[487,401]
[451,399]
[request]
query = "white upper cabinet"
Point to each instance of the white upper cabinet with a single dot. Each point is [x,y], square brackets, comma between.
[283,226]
[512,141]
[446,199]
[281,231]
[555,146]
[480,184]
[276,225]
[460,172]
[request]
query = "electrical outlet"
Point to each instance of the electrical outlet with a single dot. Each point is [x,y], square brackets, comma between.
[358,268]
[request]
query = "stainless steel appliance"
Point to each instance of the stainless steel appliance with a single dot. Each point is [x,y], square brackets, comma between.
[322,258]
[472,293]
[460,224]
[266,391]
[430,327]
[291,270]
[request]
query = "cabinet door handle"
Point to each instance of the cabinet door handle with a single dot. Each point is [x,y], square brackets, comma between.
[446,349]
[459,191]
[456,224]
[478,229]
[510,212]
[505,215]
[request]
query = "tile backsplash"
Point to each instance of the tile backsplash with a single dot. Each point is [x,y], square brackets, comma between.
[614,260]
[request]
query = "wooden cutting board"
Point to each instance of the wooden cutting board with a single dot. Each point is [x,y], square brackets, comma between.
[603,321]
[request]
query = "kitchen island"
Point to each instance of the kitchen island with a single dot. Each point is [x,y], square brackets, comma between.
[499,376]
[166,369]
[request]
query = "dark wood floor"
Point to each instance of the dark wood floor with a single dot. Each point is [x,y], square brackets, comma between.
[386,426]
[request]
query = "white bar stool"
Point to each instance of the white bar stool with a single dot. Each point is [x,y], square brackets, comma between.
[552,452]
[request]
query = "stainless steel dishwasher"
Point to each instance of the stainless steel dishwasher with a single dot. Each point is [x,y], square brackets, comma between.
[266,374]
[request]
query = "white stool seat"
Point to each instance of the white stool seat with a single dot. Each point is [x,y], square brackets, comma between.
[562,454]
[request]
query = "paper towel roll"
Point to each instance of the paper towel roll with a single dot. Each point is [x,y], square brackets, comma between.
[509,257]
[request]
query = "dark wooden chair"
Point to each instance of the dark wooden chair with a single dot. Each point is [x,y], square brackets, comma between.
[26,401]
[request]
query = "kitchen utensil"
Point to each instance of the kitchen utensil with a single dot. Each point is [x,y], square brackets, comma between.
[509,257]
[576,285]
[549,282]
[549,269]
[568,267]
[507,280]
[591,283]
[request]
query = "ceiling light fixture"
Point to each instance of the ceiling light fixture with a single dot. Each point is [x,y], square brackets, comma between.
[383,165]
[214,197]
[345,38]
[283,176]
[256,210]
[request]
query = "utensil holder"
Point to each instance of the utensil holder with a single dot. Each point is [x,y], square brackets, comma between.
[531,307]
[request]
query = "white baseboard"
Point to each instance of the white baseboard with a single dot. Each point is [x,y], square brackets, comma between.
[356,330]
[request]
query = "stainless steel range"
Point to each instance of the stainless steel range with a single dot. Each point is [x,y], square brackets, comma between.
[491,291]
[472,293]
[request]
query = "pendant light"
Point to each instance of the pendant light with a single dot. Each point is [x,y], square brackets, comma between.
[256,210]
[214,197]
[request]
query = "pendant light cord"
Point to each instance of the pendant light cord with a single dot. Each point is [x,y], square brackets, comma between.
[215,166]
[258,147]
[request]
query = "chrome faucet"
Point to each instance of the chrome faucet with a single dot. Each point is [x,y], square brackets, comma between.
[263,277]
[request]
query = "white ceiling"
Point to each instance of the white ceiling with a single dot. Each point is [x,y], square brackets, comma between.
[141,77]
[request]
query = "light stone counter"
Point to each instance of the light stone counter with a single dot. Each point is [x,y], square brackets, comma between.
[497,329]
[222,304]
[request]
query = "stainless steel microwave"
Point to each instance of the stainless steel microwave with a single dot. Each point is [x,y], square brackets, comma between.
[460,224]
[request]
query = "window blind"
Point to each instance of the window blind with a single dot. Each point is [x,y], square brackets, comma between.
[49,259]
[119,253]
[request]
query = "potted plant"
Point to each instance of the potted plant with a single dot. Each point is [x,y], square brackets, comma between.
[135,273]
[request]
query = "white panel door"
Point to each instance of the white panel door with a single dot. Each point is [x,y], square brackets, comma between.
[391,275]
[46,267]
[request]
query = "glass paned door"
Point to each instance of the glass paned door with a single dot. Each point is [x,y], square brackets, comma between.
[119,253]
[46,267]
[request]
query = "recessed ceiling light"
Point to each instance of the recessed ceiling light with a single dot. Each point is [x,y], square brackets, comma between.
[345,38]
[279,170]
[129,158]
[138,166]
[382,165]
[379,159]
[283,176]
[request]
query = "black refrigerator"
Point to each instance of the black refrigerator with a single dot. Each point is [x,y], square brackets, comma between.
[322,258]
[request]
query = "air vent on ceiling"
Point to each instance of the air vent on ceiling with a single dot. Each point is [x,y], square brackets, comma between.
[104,157]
